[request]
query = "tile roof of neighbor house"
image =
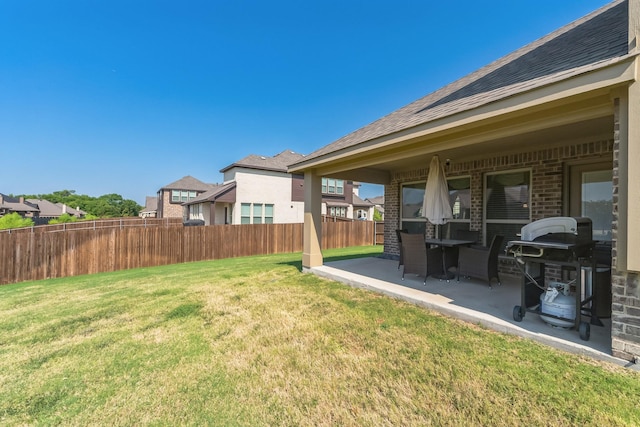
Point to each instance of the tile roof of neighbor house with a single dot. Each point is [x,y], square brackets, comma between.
[188,183]
[587,44]
[278,163]
[213,194]
[49,209]
[14,204]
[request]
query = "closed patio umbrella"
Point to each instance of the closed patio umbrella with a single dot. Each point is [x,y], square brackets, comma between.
[436,207]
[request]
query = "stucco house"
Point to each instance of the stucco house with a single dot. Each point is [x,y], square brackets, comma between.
[259,190]
[554,127]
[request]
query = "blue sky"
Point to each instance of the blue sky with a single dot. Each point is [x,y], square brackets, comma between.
[126,96]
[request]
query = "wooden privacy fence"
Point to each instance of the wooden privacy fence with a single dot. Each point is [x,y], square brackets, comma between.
[125,222]
[36,256]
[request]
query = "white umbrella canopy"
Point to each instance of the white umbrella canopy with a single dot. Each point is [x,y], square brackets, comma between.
[436,207]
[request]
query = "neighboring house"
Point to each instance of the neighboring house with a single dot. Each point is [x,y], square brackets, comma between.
[19,205]
[552,129]
[150,208]
[259,190]
[362,209]
[39,210]
[171,197]
[51,210]
[378,203]
[214,206]
[48,210]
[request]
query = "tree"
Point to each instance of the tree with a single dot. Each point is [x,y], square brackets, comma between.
[14,220]
[105,206]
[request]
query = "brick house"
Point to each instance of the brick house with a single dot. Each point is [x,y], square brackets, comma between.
[552,129]
[171,197]
[259,189]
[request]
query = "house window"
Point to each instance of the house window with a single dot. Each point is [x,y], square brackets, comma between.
[195,211]
[332,186]
[460,200]
[338,211]
[361,214]
[245,213]
[181,196]
[591,195]
[507,203]
[412,196]
[256,213]
[268,214]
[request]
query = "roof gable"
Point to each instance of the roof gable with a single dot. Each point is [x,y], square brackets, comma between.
[278,163]
[188,183]
[214,194]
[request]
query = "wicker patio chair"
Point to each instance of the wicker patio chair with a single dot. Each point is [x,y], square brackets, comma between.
[480,262]
[399,237]
[451,254]
[418,259]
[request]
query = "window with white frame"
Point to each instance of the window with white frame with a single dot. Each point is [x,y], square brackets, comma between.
[268,214]
[361,214]
[181,196]
[195,211]
[339,211]
[507,203]
[332,186]
[245,213]
[256,213]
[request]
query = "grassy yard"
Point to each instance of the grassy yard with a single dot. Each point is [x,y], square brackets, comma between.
[255,342]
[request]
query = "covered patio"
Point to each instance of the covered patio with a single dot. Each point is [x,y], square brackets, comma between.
[552,129]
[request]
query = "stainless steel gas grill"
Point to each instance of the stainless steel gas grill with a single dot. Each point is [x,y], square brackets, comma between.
[564,242]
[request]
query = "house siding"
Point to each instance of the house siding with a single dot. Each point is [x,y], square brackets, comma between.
[260,186]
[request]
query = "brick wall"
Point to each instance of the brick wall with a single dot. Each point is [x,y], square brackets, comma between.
[625,316]
[170,210]
[547,175]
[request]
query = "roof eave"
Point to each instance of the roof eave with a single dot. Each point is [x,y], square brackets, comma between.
[608,74]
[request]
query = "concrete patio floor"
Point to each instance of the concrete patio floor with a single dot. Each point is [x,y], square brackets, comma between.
[470,300]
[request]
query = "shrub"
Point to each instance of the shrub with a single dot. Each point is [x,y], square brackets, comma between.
[14,220]
[65,217]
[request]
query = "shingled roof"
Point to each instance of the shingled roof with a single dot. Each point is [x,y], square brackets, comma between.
[589,43]
[189,183]
[278,163]
[213,194]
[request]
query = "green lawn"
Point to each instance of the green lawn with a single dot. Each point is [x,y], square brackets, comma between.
[255,342]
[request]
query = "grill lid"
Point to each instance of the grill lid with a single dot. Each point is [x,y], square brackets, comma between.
[542,227]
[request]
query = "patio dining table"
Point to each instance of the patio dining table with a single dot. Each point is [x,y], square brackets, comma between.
[444,244]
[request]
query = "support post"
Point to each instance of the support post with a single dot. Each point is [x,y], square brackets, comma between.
[312,233]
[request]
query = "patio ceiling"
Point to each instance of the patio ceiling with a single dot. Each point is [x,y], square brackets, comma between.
[564,124]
